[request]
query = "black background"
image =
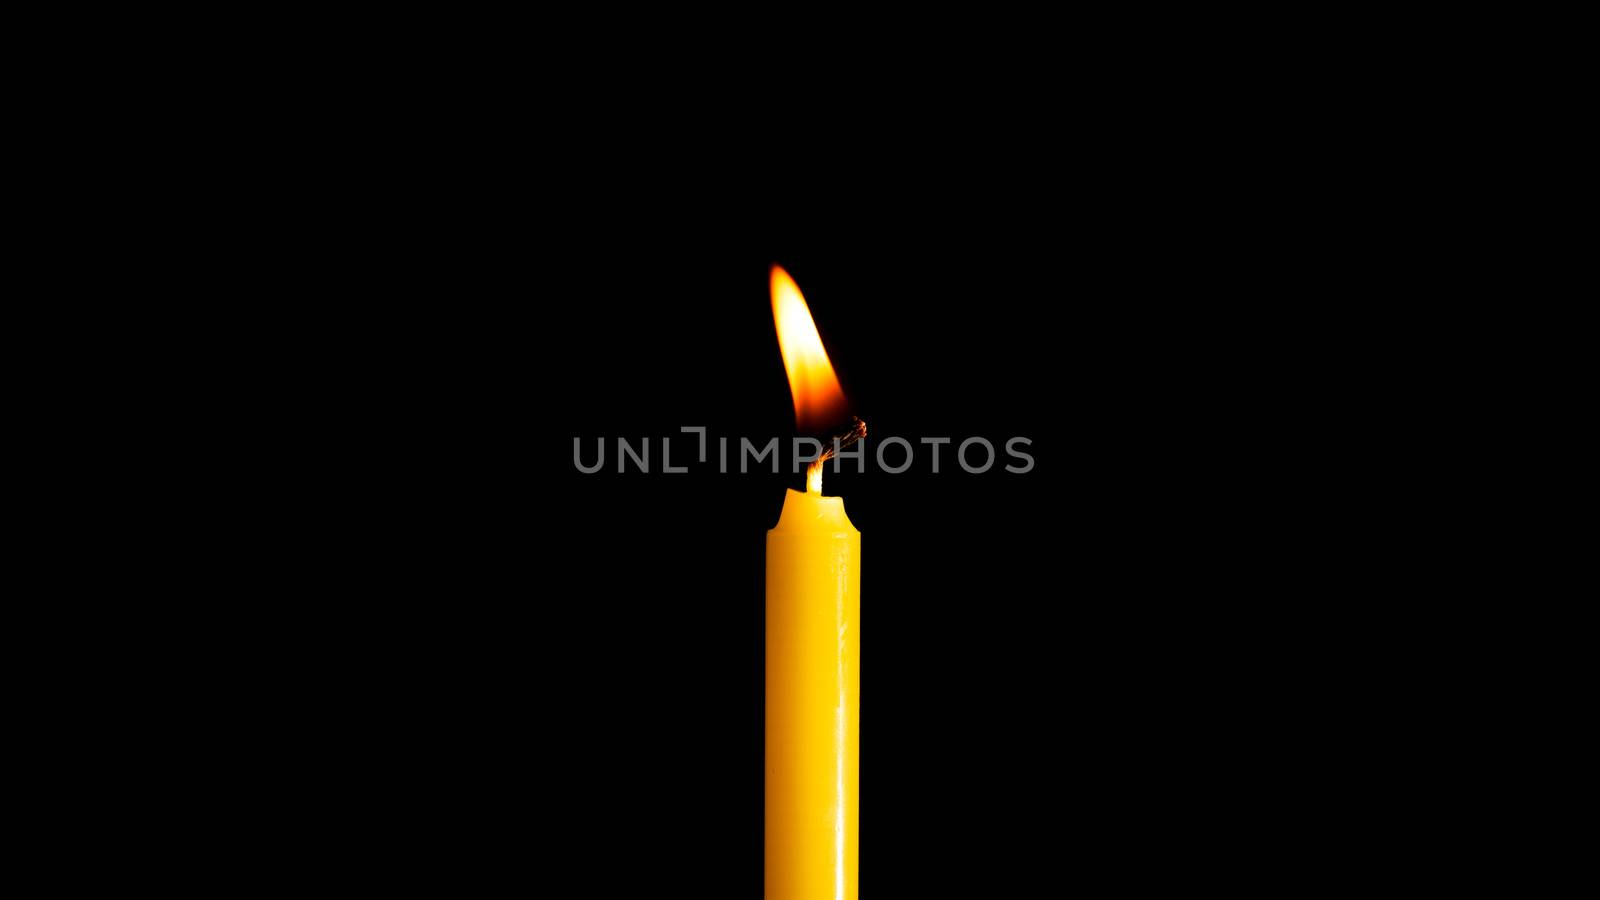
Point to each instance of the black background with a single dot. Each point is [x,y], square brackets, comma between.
[963,574]
[1026,637]
[412,639]
[1061,669]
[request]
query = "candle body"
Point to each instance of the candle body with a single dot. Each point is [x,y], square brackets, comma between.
[813,716]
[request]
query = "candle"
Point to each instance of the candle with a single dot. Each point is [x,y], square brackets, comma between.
[813,715]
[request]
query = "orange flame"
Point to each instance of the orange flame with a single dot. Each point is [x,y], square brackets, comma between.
[818,400]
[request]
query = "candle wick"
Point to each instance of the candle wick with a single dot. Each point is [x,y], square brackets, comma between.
[856,431]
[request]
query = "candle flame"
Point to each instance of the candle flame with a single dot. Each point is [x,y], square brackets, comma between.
[818,400]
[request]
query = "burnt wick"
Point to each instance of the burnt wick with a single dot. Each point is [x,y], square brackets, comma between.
[840,440]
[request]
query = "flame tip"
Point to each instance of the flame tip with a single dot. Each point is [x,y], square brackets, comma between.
[818,399]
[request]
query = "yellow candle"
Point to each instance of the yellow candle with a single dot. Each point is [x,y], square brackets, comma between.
[813,647]
[813,700]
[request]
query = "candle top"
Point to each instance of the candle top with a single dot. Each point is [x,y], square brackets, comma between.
[813,513]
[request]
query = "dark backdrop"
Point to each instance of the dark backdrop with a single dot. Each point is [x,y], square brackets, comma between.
[1008,619]
[423,642]
[964,575]
[1059,667]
